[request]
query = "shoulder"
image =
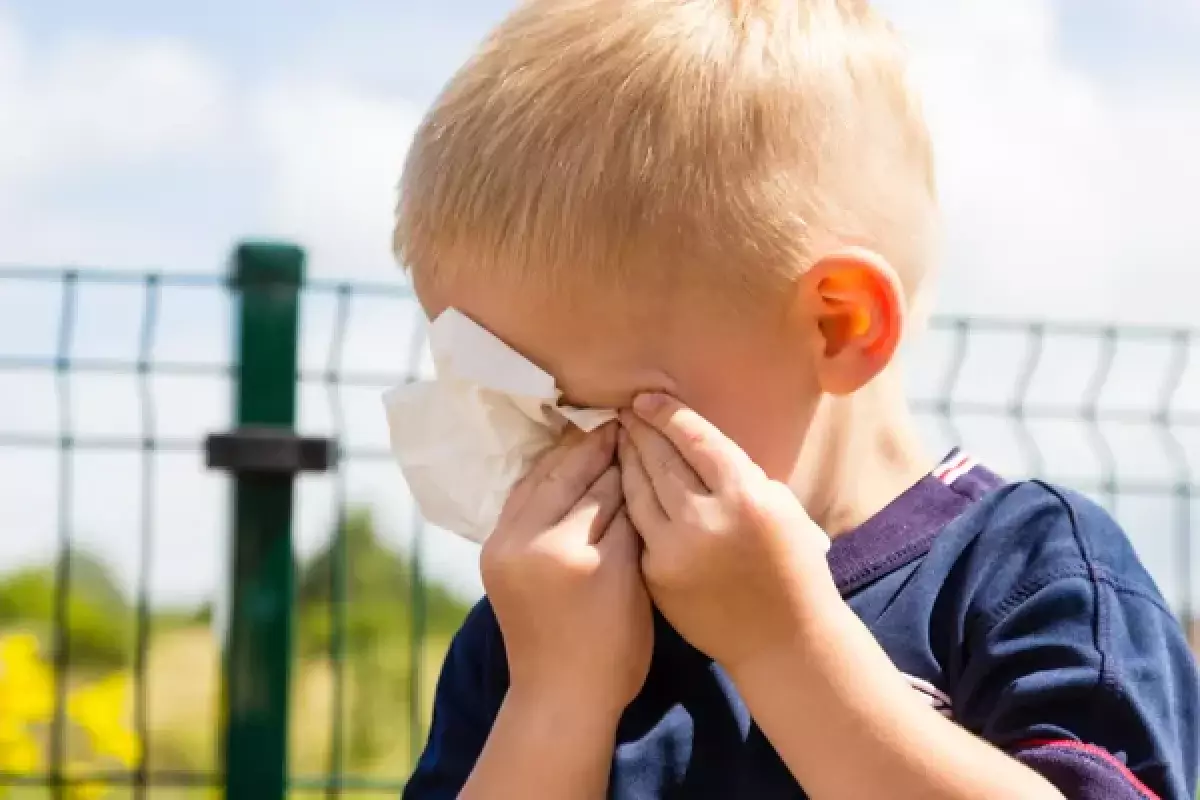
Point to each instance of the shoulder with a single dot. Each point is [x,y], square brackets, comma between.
[1028,535]
[1053,634]
[470,689]
[475,664]
[480,627]
[478,639]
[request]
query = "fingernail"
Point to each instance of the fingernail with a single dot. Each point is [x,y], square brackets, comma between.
[648,403]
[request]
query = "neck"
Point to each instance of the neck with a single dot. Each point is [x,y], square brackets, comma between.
[862,453]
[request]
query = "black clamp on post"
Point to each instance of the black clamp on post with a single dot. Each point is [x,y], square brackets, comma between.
[263,449]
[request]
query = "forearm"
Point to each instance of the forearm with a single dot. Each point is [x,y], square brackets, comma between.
[847,724]
[542,747]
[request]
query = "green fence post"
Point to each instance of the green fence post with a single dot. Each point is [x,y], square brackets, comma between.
[259,646]
[263,454]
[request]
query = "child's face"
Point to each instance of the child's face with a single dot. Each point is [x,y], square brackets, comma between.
[750,375]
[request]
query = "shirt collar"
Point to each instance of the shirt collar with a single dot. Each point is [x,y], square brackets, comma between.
[904,530]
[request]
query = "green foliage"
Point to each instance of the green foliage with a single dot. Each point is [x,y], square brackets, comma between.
[92,579]
[99,621]
[379,592]
[375,646]
[375,638]
[169,619]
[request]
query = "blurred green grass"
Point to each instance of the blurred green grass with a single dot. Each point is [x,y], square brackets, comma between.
[184,657]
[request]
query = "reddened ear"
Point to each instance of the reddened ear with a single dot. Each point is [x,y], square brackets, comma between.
[857,304]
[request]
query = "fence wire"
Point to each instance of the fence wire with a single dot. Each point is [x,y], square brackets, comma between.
[1109,410]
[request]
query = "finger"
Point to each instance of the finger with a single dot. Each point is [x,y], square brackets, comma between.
[673,479]
[548,461]
[716,459]
[640,499]
[620,538]
[566,481]
[597,508]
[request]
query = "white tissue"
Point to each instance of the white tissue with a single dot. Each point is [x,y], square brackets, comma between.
[464,439]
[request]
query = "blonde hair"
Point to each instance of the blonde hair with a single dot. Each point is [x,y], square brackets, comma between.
[589,142]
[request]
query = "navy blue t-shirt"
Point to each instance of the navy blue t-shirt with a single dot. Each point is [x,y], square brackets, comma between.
[1020,611]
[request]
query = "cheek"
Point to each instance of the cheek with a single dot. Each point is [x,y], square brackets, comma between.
[769,423]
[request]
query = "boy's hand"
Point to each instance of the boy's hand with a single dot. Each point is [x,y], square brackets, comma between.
[561,571]
[730,557]
[736,565]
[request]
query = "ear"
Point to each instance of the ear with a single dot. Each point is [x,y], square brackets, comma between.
[855,299]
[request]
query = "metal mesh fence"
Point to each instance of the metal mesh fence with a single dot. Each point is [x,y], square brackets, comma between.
[1107,409]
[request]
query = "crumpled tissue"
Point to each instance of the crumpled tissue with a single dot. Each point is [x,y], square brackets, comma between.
[465,438]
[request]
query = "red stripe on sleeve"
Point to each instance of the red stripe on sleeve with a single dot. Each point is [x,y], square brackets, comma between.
[1092,750]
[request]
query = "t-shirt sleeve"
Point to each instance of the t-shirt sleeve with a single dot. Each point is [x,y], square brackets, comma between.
[1076,666]
[464,708]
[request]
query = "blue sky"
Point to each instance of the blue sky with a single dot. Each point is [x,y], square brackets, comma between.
[291,118]
[141,133]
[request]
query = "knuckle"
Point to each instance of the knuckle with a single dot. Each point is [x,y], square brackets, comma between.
[557,475]
[562,484]
[571,565]
[664,462]
[495,559]
[540,562]
[692,435]
[777,493]
[575,473]
[608,486]
[738,496]
[756,507]
[693,512]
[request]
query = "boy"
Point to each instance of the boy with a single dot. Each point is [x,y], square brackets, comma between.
[719,217]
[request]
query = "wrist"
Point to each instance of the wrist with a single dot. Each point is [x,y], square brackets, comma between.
[563,711]
[541,746]
[812,627]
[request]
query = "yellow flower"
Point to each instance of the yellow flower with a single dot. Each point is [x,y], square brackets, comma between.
[20,755]
[100,710]
[27,699]
[26,685]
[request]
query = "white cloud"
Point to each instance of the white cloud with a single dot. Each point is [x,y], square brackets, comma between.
[90,120]
[1052,181]
[11,52]
[96,102]
[1057,189]
[334,156]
